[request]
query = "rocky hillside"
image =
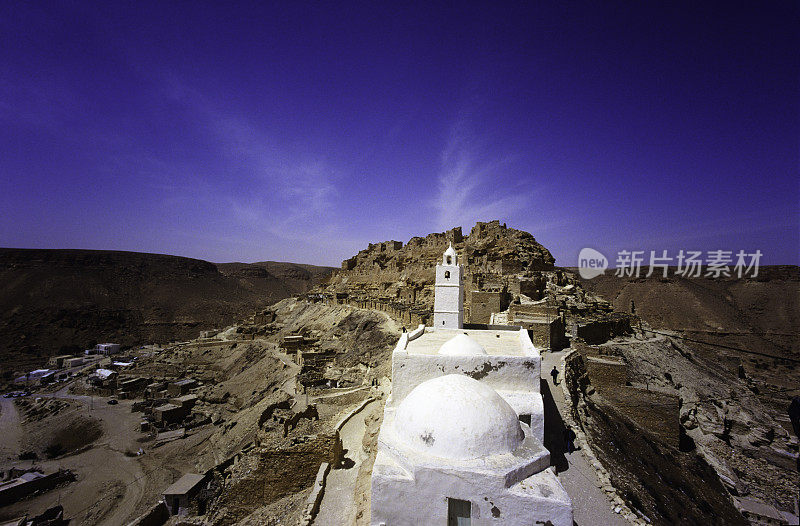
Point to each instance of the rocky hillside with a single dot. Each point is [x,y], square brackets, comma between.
[70,299]
[759,314]
[767,305]
[691,432]
[492,254]
[707,372]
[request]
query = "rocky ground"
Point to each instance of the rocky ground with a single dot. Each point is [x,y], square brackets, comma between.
[731,437]
[403,273]
[64,301]
[711,347]
[121,471]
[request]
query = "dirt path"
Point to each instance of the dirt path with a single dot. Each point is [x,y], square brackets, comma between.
[118,426]
[134,480]
[110,484]
[340,393]
[338,502]
[10,427]
[589,502]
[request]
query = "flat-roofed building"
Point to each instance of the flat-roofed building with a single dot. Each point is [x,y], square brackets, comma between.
[107,348]
[181,387]
[179,496]
[169,414]
[58,361]
[186,401]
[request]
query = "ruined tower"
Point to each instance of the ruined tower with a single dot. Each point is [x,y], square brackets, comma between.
[448,304]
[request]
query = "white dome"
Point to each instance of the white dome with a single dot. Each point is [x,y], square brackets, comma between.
[461,345]
[457,417]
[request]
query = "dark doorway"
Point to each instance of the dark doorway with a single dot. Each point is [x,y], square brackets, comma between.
[459,512]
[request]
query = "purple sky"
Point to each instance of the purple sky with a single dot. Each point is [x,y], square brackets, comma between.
[244,132]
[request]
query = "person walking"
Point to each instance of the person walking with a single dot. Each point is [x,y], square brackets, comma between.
[554,374]
[569,439]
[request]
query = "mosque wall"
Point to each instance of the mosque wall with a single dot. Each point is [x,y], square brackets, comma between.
[505,373]
[423,498]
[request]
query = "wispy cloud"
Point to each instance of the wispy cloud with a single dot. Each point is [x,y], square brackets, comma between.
[289,195]
[474,185]
[293,202]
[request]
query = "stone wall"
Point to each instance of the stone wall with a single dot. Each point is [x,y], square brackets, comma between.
[606,373]
[12,494]
[267,475]
[409,314]
[657,413]
[155,516]
[600,330]
[633,432]
[484,304]
[545,334]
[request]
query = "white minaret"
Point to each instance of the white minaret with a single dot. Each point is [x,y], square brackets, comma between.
[448,303]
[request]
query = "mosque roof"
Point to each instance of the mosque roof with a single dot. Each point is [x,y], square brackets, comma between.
[461,345]
[457,417]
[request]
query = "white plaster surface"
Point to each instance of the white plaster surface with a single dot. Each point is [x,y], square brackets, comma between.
[448,302]
[452,254]
[511,366]
[494,342]
[460,345]
[455,416]
[513,488]
[483,459]
[451,426]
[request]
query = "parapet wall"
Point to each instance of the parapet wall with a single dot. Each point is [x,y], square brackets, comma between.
[657,413]
[654,412]
[606,373]
[400,312]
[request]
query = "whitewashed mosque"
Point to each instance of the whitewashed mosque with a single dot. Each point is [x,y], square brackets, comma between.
[462,436]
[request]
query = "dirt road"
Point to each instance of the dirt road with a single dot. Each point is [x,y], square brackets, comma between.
[11,430]
[109,484]
[338,502]
[590,504]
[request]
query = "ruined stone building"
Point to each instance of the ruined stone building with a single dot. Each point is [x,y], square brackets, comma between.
[462,435]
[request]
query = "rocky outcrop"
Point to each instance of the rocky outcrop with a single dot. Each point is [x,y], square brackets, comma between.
[390,275]
[655,406]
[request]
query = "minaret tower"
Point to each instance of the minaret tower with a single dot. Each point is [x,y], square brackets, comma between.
[448,303]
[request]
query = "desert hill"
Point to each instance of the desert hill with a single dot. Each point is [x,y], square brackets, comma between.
[495,257]
[760,314]
[72,298]
[767,305]
[713,430]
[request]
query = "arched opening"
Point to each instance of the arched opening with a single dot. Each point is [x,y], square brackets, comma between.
[449,260]
[446,274]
